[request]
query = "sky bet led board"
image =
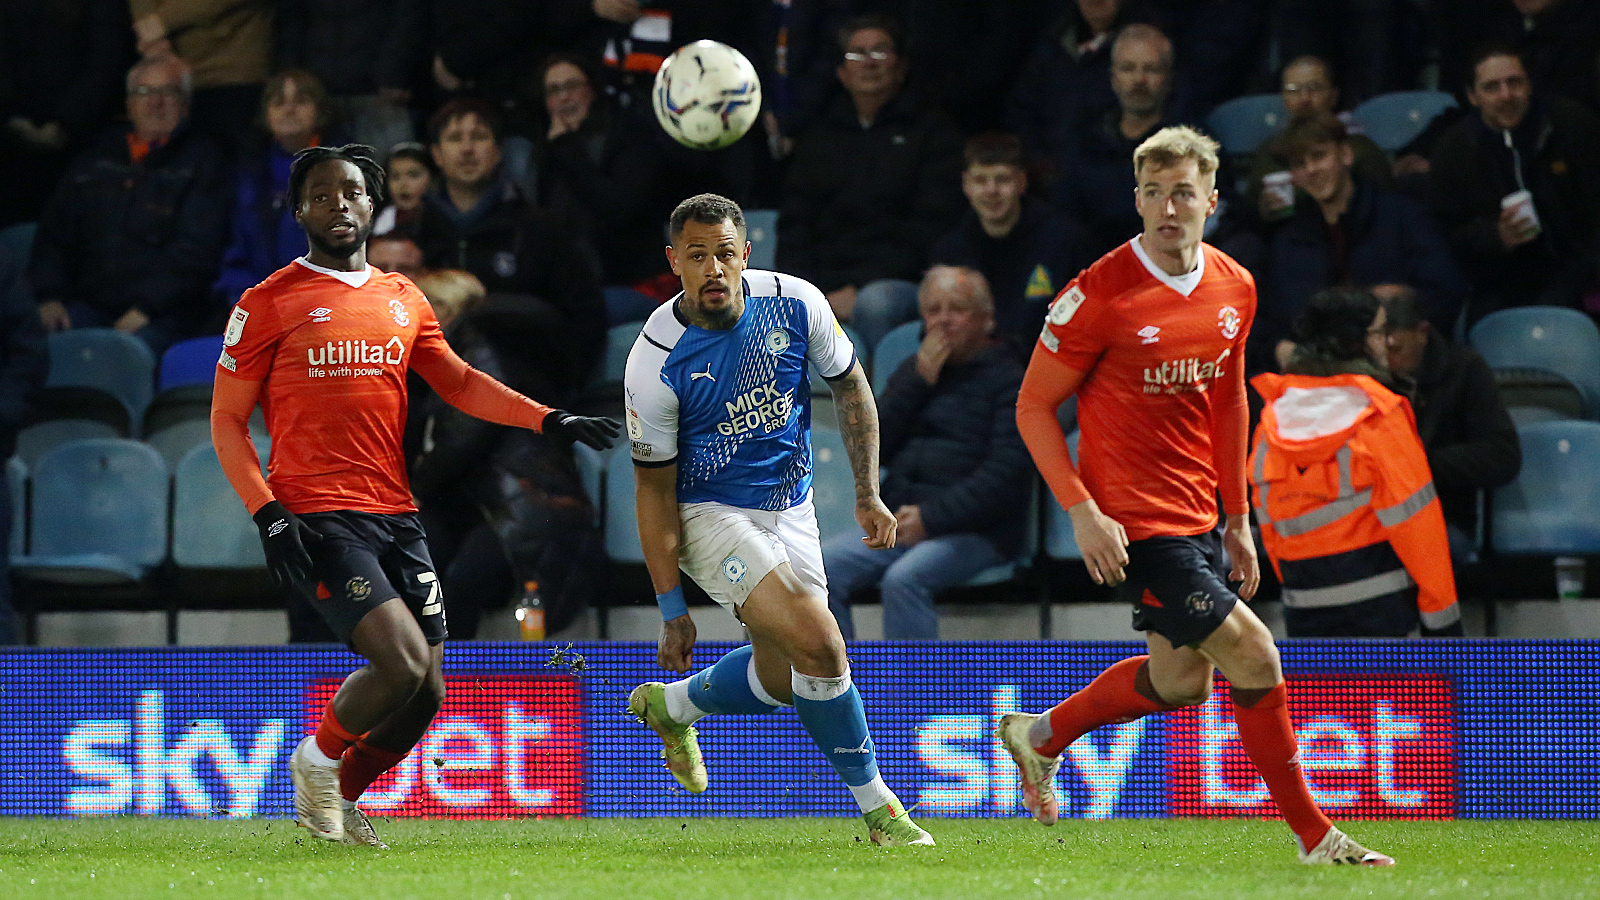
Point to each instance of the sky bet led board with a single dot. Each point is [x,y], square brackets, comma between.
[1438,729]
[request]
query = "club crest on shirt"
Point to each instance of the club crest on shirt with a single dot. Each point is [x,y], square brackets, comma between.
[398,310]
[358,589]
[1228,322]
[777,341]
[1066,306]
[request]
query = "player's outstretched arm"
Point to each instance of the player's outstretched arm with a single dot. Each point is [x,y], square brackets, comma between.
[858,424]
[655,490]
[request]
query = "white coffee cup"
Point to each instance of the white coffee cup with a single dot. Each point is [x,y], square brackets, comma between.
[1522,203]
[1280,186]
[1569,577]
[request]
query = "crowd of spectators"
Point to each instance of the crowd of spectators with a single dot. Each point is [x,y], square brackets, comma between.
[149,141]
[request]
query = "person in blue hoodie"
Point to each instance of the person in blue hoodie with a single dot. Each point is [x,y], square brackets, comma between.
[296,114]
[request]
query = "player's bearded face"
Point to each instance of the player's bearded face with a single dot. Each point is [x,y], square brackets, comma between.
[335,209]
[710,261]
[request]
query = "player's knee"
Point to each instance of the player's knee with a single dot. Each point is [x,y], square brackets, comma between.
[432,692]
[821,654]
[1187,693]
[407,673]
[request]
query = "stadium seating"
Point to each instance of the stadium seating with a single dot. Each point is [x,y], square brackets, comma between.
[1394,120]
[1537,395]
[833,487]
[210,527]
[592,473]
[98,513]
[38,439]
[175,441]
[1059,542]
[190,362]
[621,515]
[1550,508]
[761,230]
[614,363]
[1559,340]
[901,341]
[106,360]
[17,240]
[1243,124]
[17,483]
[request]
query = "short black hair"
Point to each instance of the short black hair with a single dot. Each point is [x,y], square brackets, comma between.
[1489,50]
[880,21]
[707,209]
[1333,326]
[1403,308]
[994,148]
[359,155]
[460,108]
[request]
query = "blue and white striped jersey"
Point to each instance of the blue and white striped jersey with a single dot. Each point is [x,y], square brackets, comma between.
[733,408]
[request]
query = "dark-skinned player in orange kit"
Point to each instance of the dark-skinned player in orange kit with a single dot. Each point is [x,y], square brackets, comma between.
[323,345]
[1151,339]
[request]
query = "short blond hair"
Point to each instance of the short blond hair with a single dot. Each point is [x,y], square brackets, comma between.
[451,292]
[1176,143]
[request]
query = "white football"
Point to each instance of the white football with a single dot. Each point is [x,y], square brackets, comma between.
[707,95]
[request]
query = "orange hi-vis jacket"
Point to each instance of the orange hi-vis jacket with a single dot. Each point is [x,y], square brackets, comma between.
[1345,499]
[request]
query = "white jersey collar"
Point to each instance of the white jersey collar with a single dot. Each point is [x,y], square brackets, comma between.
[354,279]
[1183,284]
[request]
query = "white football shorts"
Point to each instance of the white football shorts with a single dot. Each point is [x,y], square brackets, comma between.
[728,550]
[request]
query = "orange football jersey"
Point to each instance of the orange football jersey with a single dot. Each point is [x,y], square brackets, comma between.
[1155,350]
[333,361]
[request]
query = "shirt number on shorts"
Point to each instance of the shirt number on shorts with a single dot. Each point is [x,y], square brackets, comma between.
[435,604]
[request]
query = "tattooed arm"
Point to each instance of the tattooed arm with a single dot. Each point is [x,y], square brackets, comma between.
[858,423]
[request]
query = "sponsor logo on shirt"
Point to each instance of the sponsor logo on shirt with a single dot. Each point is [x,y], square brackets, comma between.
[353,359]
[635,427]
[321,314]
[1149,334]
[228,362]
[1049,339]
[1177,376]
[763,407]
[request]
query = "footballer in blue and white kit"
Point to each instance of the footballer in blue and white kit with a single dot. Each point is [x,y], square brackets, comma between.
[719,424]
[732,409]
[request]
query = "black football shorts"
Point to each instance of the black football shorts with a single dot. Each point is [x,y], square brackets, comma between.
[367,559]
[1178,586]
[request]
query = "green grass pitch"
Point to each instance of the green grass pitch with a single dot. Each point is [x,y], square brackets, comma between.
[755,859]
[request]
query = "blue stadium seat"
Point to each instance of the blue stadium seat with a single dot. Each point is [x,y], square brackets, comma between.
[761,230]
[176,440]
[106,360]
[1550,508]
[819,385]
[35,440]
[614,363]
[1059,542]
[1011,569]
[1394,120]
[98,513]
[1553,338]
[621,516]
[17,240]
[190,362]
[901,341]
[833,487]
[210,527]
[1243,124]
[592,473]
[17,483]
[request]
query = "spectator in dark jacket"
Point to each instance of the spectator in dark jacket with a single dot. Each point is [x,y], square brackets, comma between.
[543,292]
[409,171]
[1520,141]
[1466,431]
[1066,78]
[501,506]
[957,466]
[132,237]
[266,237]
[61,67]
[1025,250]
[872,184]
[24,362]
[371,55]
[1347,232]
[1097,170]
[1558,40]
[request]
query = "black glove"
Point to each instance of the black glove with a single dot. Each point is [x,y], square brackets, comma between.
[283,537]
[596,431]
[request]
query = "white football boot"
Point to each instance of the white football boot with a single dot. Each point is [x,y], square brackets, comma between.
[317,804]
[1337,849]
[1038,772]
